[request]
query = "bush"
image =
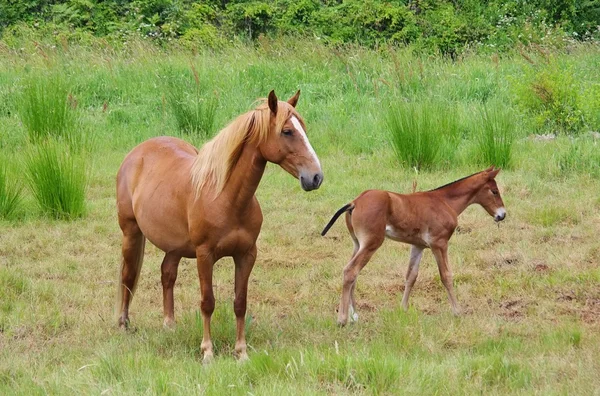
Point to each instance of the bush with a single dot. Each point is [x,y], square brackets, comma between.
[550,93]
[57,179]
[423,135]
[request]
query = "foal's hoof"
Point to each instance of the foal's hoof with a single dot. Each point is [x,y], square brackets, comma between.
[342,322]
[354,317]
[208,358]
[242,358]
[169,324]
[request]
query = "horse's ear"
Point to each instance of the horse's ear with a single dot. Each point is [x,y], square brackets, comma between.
[273,102]
[491,168]
[294,99]
[493,173]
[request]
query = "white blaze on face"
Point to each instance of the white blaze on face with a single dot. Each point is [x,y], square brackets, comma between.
[300,130]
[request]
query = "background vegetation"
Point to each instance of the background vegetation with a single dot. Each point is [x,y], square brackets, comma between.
[447,26]
[80,86]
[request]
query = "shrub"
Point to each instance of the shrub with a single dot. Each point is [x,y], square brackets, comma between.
[551,94]
[57,179]
[495,137]
[423,135]
[10,193]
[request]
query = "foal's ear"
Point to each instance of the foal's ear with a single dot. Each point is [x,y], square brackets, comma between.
[272,102]
[294,99]
[493,173]
[491,168]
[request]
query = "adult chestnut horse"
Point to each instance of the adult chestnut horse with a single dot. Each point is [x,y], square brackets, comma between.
[201,204]
[423,219]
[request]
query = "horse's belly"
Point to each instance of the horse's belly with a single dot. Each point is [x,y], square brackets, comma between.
[165,228]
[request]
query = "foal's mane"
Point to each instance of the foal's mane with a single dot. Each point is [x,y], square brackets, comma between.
[456,181]
[217,158]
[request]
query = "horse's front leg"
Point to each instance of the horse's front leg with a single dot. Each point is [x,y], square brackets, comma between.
[205,262]
[243,267]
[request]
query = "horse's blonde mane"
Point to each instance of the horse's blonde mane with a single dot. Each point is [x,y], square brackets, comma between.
[217,158]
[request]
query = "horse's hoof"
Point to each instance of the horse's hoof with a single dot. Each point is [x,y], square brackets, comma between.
[123,324]
[342,322]
[354,317]
[242,358]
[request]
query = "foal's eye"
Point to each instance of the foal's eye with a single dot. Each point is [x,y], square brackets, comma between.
[287,132]
[495,192]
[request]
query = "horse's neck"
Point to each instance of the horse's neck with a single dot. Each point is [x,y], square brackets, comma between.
[245,177]
[459,196]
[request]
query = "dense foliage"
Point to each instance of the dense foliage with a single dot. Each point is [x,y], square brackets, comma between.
[447,26]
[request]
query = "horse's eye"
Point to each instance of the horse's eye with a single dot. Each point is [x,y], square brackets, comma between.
[495,192]
[287,132]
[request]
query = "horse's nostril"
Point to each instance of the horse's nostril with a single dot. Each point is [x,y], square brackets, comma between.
[317,180]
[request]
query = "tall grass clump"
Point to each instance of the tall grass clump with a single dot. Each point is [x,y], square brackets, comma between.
[495,137]
[582,156]
[424,135]
[10,193]
[47,109]
[58,180]
[193,107]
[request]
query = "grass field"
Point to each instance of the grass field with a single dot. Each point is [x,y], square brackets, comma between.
[529,288]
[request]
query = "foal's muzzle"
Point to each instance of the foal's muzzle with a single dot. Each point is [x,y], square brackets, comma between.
[500,214]
[311,181]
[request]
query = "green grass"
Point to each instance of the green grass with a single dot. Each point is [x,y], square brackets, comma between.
[528,287]
[47,108]
[57,180]
[495,137]
[10,191]
[424,134]
[192,105]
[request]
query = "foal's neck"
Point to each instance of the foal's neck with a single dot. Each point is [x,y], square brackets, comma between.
[459,196]
[245,177]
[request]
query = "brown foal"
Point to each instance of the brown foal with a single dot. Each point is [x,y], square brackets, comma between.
[423,219]
[201,204]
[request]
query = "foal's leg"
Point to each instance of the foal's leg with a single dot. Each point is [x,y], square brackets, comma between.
[441,256]
[205,264]
[133,255]
[169,275]
[243,268]
[351,271]
[416,252]
[353,316]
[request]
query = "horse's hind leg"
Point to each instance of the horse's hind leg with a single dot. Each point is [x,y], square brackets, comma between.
[168,278]
[133,256]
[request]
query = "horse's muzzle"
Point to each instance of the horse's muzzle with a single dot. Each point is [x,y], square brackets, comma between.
[311,182]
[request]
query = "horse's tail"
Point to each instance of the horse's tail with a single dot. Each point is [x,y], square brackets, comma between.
[135,267]
[337,214]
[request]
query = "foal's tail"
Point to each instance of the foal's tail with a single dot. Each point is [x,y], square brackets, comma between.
[135,268]
[337,214]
